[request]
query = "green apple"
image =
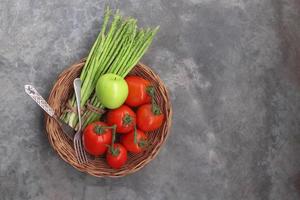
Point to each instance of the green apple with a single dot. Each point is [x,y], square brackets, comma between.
[111,90]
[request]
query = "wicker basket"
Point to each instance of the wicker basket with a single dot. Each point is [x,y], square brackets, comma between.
[59,95]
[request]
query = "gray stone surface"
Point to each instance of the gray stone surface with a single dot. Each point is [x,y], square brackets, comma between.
[232,67]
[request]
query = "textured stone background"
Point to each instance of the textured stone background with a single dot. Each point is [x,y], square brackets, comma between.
[232,67]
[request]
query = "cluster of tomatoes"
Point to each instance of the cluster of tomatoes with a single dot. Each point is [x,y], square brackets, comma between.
[137,116]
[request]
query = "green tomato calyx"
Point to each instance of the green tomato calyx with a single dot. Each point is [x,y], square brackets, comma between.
[143,143]
[155,109]
[150,91]
[115,151]
[127,119]
[99,130]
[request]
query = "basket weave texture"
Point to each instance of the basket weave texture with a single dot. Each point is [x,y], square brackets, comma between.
[98,167]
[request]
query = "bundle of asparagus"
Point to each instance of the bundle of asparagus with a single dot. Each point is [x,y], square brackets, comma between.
[117,49]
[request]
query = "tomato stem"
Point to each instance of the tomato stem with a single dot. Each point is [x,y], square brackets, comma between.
[135,135]
[155,108]
[99,130]
[151,92]
[114,151]
[143,143]
[127,119]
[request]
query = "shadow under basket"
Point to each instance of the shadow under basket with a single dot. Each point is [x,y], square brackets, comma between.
[60,93]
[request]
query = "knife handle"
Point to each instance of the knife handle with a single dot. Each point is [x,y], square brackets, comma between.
[31,91]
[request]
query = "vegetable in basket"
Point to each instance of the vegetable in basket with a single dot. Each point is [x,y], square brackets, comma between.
[138,91]
[149,117]
[123,117]
[116,156]
[135,142]
[96,137]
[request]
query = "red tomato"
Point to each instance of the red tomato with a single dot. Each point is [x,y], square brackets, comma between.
[123,117]
[117,156]
[96,138]
[149,118]
[138,91]
[135,146]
